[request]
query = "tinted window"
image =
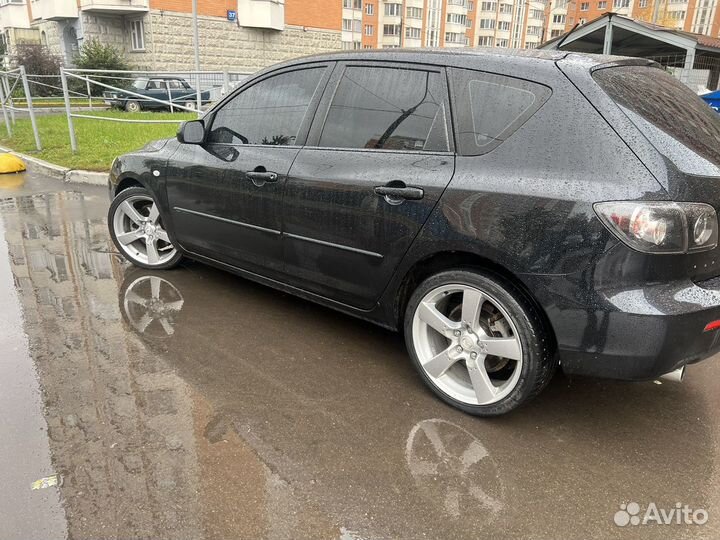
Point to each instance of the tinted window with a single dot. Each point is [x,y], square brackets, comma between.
[677,122]
[389,108]
[492,107]
[269,112]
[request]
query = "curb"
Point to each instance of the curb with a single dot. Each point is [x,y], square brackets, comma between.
[57,172]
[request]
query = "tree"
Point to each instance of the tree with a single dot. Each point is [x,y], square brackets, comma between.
[97,55]
[38,60]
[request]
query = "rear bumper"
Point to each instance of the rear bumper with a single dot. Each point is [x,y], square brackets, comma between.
[633,333]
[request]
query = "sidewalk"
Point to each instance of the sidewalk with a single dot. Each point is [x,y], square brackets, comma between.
[60,173]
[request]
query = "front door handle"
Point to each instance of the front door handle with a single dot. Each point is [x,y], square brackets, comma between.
[260,178]
[396,194]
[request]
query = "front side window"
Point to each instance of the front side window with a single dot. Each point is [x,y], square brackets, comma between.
[387,108]
[269,112]
[492,107]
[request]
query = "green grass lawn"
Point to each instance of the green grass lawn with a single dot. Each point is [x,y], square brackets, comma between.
[99,141]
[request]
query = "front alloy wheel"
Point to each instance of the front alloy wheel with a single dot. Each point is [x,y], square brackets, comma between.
[477,342]
[137,230]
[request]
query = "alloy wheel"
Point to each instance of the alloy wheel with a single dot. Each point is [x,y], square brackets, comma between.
[140,233]
[467,344]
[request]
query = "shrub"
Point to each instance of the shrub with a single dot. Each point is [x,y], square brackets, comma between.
[38,60]
[97,55]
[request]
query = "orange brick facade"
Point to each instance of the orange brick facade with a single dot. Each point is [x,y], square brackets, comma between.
[308,13]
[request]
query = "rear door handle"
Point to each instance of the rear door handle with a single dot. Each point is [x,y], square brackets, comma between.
[260,178]
[396,194]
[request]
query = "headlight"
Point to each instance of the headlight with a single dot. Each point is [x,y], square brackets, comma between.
[661,227]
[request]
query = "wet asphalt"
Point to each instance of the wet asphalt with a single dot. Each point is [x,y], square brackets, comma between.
[192,404]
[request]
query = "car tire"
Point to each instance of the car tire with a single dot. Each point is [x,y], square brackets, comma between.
[132,106]
[138,232]
[190,105]
[453,323]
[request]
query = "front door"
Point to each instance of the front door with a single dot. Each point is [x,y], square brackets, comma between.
[374,167]
[225,196]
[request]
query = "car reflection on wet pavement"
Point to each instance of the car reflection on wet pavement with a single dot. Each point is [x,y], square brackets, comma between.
[194,404]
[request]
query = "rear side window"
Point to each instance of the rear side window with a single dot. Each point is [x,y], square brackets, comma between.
[269,112]
[492,107]
[678,123]
[387,108]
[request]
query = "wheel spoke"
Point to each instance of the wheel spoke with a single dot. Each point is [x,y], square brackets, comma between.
[154,213]
[135,298]
[152,252]
[162,235]
[484,389]
[430,315]
[155,287]
[129,210]
[174,306]
[129,237]
[439,364]
[471,304]
[503,347]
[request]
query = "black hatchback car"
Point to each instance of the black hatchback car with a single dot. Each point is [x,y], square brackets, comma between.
[509,212]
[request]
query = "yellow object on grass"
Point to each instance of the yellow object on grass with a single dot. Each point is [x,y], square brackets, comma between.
[11,164]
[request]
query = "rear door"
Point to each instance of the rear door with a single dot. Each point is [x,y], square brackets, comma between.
[378,157]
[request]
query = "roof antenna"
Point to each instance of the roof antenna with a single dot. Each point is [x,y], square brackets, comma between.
[562,40]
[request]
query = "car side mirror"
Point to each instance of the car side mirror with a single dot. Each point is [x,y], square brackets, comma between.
[192,132]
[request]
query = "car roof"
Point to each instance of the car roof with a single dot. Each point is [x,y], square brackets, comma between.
[464,57]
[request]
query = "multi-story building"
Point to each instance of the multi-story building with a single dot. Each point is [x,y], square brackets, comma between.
[698,16]
[443,23]
[157,34]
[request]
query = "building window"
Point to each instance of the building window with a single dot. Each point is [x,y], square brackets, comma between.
[485,41]
[537,14]
[414,13]
[556,33]
[454,37]
[584,6]
[487,23]
[391,30]
[534,30]
[369,30]
[456,18]
[357,4]
[412,33]
[347,25]
[505,8]
[501,43]
[504,25]
[369,9]
[602,5]
[559,19]
[137,35]
[393,10]
[488,6]
[621,3]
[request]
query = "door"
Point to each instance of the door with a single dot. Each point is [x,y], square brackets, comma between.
[378,157]
[156,89]
[225,195]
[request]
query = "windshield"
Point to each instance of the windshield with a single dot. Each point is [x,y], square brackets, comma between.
[140,84]
[677,122]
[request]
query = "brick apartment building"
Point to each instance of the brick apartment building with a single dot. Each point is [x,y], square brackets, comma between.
[443,23]
[698,16]
[157,34]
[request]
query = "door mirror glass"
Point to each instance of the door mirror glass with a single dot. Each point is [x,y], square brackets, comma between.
[192,132]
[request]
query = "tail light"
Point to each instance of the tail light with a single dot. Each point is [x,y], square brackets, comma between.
[661,227]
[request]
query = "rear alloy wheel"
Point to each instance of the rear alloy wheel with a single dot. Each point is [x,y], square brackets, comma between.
[132,106]
[477,342]
[137,230]
[191,105]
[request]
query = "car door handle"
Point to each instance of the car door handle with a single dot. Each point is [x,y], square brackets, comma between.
[260,178]
[399,193]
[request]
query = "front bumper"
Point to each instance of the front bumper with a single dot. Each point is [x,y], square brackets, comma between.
[636,333]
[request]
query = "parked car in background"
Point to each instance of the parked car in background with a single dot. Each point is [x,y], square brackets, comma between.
[713,99]
[509,212]
[169,89]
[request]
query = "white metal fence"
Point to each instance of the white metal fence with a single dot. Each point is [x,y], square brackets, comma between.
[79,93]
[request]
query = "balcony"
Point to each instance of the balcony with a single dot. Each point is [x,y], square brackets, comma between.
[115,7]
[14,14]
[262,14]
[54,10]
